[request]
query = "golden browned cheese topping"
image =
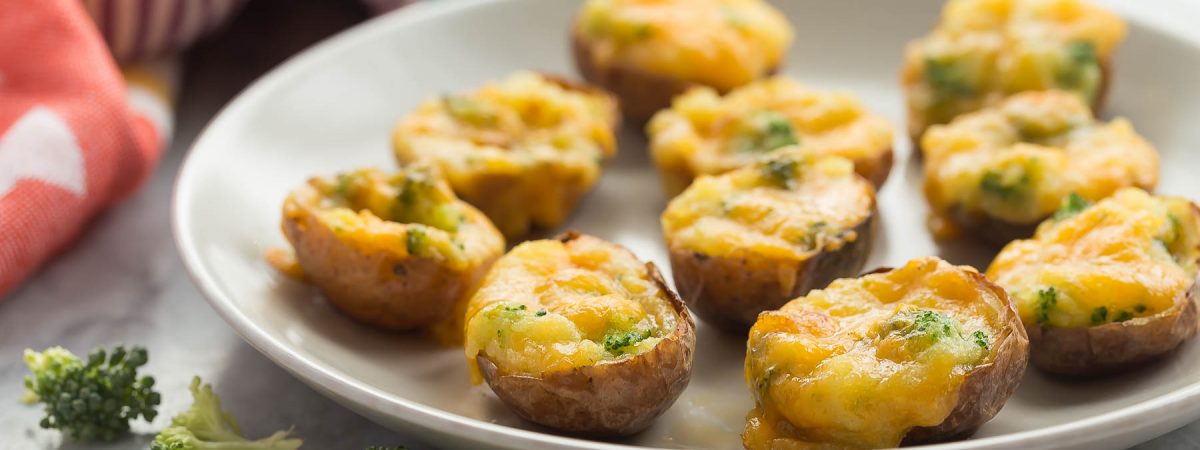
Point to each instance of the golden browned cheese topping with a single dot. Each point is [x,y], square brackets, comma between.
[985,50]
[718,43]
[1131,255]
[1016,162]
[522,149]
[784,209]
[411,213]
[860,363]
[550,306]
[705,133]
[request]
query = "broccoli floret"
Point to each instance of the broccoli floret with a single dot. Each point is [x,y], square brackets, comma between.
[1072,205]
[205,426]
[780,172]
[765,131]
[981,339]
[1047,299]
[997,185]
[91,400]
[948,80]
[1081,69]
[1099,315]
[414,240]
[469,110]
[617,341]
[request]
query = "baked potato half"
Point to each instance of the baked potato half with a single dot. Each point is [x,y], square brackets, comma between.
[998,172]
[1108,286]
[924,353]
[523,150]
[704,133]
[750,240]
[985,50]
[397,251]
[648,51]
[578,335]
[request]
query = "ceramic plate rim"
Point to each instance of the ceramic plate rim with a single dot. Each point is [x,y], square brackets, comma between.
[346,388]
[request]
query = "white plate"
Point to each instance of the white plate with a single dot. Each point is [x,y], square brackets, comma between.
[332,108]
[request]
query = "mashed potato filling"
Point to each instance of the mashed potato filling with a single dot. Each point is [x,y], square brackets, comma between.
[705,133]
[409,213]
[718,43]
[786,208]
[1129,256]
[984,50]
[521,150]
[1019,160]
[549,306]
[865,360]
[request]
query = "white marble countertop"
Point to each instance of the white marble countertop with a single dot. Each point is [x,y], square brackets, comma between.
[123,282]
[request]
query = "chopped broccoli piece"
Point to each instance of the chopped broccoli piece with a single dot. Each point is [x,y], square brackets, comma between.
[616,342]
[981,339]
[809,240]
[1047,299]
[1123,316]
[540,313]
[511,308]
[1139,308]
[469,110]
[1072,205]
[205,426]
[997,185]
[765,131]
[414,240]
[92,400]
[927,327]
[1080,70]
[780,172]
[1100,315]
[418,202]
[948,79]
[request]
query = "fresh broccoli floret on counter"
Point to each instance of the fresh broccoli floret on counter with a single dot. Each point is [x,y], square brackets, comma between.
[92,400]
[205,426]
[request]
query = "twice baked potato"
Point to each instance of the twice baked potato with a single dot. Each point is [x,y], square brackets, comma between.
[704,133]
[1000,171]
[752,239]
[648,51]
[523,150]
[985,50]
[578,335]
[397,251]
[924,353]
[1109,286]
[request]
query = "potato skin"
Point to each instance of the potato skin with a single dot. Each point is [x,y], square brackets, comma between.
[987,387]
[640,93]
[993,231]
[730,292]
[1114,347]
[377,288]
[605,399]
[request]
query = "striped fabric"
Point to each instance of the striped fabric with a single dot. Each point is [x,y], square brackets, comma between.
[141,29]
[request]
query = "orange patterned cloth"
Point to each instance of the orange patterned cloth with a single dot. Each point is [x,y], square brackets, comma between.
[73,137]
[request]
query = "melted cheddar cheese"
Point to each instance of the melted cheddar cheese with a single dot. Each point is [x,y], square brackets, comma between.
[704,133]
[522,150]
[784,209]
[860,363]
[718,43]
[548,306]
[1131,255]
[984,50]
[1017,161]
[411,213]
